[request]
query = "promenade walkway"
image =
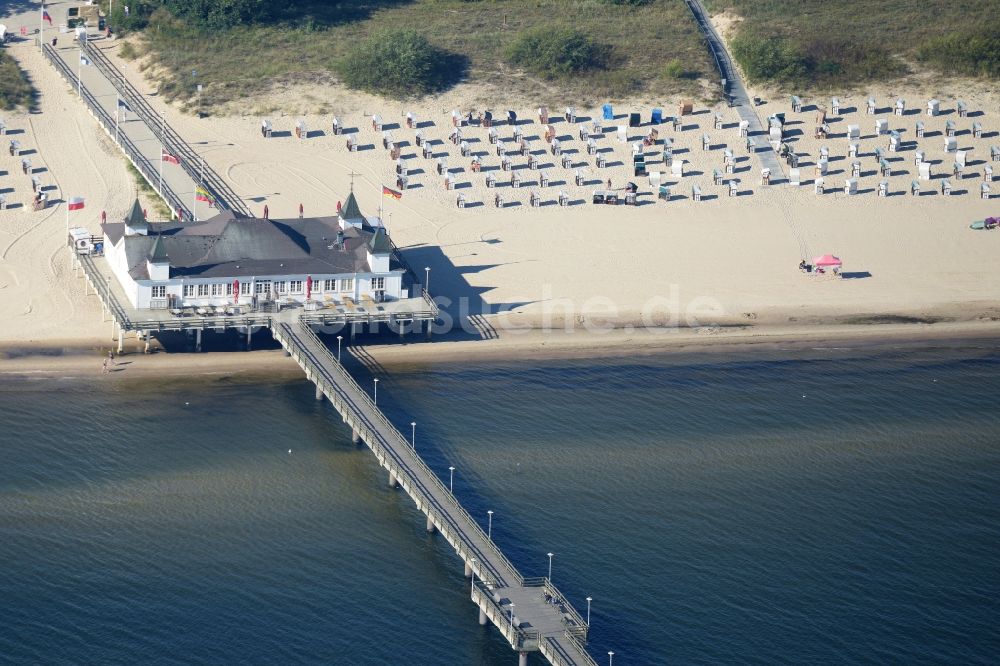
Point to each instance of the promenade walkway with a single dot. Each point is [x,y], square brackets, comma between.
[737,92]
[141,132]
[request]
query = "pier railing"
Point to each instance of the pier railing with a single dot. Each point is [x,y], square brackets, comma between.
[103,288]
[140,161]
[192,164]
[512,576]
[520,639]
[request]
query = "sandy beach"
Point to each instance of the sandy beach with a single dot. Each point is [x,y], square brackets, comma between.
[723,268]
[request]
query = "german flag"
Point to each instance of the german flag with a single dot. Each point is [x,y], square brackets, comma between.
[393,194]
[201,194]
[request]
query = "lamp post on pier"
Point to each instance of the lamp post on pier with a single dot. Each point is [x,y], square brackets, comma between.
[413,435]
[451,479]
[589,599]
[427,280]
[611,655]
[489,529]
[550,567]
[512,619]
[339,338]
[375,395]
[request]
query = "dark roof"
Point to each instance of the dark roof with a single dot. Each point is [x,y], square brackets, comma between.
[379,242]
[158,255]
[230,246]
[350,210]
[135,216]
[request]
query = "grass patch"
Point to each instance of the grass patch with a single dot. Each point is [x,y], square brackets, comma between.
[16,90]
[149,192]
[307,40]
[818,43]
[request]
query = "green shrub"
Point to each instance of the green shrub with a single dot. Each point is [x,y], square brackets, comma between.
[400,63]
[976,54]
[559,52]
[222,14]
[769,58]
[631,3]
[15,89]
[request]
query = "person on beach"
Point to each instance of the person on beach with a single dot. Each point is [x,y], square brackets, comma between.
[104,367]
[265,211]
[609,183]
[111,357]
[301,209]
[104,216]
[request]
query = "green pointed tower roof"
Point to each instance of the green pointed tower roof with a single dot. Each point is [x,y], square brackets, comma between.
[379,242]
[350,210]
[158,253]
[135,216]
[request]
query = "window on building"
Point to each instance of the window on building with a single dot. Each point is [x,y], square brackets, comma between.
[159,291]
[219,289]
[188,290]
[347,284]
[329,285]
[262,287]
[279,287]
[295,287]
[378,284]
[203,289]
[229,289]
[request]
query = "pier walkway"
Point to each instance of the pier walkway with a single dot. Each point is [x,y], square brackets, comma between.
[736,91]
[530,612]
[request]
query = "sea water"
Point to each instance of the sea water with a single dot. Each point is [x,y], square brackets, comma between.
[819,506]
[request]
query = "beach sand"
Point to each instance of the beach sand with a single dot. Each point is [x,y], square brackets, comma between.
[707,267]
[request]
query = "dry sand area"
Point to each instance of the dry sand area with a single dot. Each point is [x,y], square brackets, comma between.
[724,260]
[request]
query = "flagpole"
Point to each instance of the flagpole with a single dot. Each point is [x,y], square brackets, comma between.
[161,170]
[117,108]
[79,74]
[41,30]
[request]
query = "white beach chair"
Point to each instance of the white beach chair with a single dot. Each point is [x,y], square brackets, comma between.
[883,188]
[946,187]
[881,126]
[734,189]
[984,190]
[853,132]
[835,105]
[950,144]
[851,186]
[871,106]
[655,178]
[706,141]
[900,107]
[622,132]
[696,193]
[924,169]
[933,107]
[819,186]
[794,177]
[677,168]
[960,157]
[987,174]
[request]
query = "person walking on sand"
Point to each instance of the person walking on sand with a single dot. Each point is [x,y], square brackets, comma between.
[300,210]
[104,368]
[609,183]
[111,357]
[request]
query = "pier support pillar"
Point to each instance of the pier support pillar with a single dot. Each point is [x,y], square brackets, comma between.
[522,659]
[430,328]
[121,340]
[468,570]
[146,350]
[430,524]
[392,480]
[249,333]
[482,618]
[319,392]
[355,435]
[197,340]
[354,330]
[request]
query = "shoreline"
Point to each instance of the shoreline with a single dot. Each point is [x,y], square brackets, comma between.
[82,358]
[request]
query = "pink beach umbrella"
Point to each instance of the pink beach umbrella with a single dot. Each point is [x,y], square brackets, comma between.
[236,292]
[827,261]
[309,287]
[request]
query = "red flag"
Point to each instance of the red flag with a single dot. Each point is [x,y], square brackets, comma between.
[167,157]
[75,203]
[236,292]
[391,193]
[309,287]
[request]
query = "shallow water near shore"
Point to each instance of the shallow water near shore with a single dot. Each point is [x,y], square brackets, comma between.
[821,506]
